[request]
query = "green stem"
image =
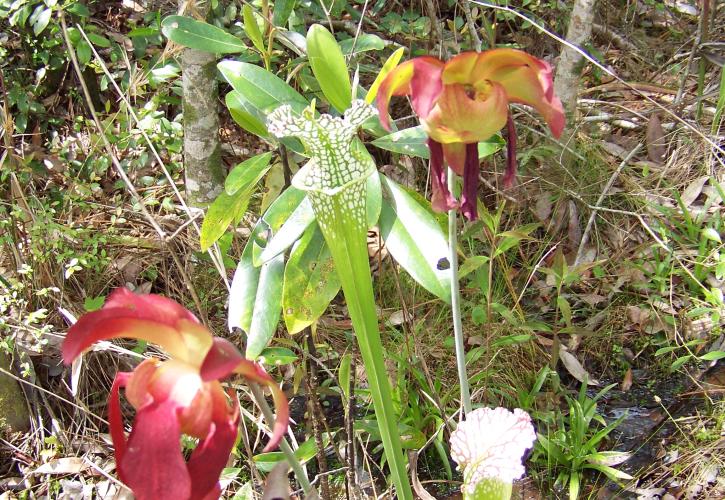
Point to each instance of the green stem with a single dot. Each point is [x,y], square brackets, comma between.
[456,301]
[346,236]
[284,446]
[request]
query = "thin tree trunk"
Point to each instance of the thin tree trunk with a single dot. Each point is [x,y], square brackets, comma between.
[203,169]
[568,71]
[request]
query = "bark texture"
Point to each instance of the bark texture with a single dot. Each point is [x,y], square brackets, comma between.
[203,168]
[568,71]
[14,415]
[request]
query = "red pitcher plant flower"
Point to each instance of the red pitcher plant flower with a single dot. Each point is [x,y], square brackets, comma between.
[465,101]
[182,395]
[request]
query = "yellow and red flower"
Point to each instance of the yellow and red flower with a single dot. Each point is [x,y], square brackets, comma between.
[465,101]
[182,395]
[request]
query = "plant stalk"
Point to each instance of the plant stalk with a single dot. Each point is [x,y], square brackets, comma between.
[456,301]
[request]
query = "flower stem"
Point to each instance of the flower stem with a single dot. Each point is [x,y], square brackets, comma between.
[456,300]
[284,446]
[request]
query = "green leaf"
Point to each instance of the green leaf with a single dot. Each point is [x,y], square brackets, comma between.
[343,375]
[290,231]
[251,28]
[99,40]
[222,212]
[267,307]
[277,356]
[83,51]
[409,141]
[489,488]
[565,309]
[282,10]
[412,142]
[94,303]
[415,240]
[246,278]
[78,9]
[245,114]
[389,65]
[374,200]
[264,90]
[200,35]
[471,264]
[713,356]
[365,42]
[711,234]
[310,281]
[41,20]
[265,462]
[246,175]
[328,65]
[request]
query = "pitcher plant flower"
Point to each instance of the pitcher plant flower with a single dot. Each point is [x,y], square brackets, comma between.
[488,447]
[465,101]
[182,395]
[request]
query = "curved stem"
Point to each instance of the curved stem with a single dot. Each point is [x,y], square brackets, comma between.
[456,301]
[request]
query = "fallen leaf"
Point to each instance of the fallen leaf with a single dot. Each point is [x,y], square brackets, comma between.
[638,315]
[575,368]
[627,380]
[417,486]
[690,194]
[575,231]
[655,138]
[277,486]
[542,209]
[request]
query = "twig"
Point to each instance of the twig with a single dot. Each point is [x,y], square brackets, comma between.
[107,144]
[471,23]
[607,187]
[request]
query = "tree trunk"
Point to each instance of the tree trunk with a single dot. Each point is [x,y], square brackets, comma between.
[203,168]
[568,71]
[14,415]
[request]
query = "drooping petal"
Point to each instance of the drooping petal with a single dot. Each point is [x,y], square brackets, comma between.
[526,80]
[153,466]
[223,359]
[441,198]
[211,455]
[469,195]
[420,78]
[455,156]
[458,117]
[149,317]
[115,418]
[510,176]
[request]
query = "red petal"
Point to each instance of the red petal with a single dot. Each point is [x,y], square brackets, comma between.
[525,78]
[211,455]
[441,198]
[148,317]
[153,466]
[469,195]
[510,176]
[223,358]
[419,77]
[115,418]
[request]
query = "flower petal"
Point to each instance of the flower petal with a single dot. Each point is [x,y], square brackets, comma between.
[149,317]
[441,198]
[469,195]
[460,118]
[223,359]
[526,80]
[153,466]
[115,418]
[510,176]
[455,155]
[420,78]
[211,455]
[137,389]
